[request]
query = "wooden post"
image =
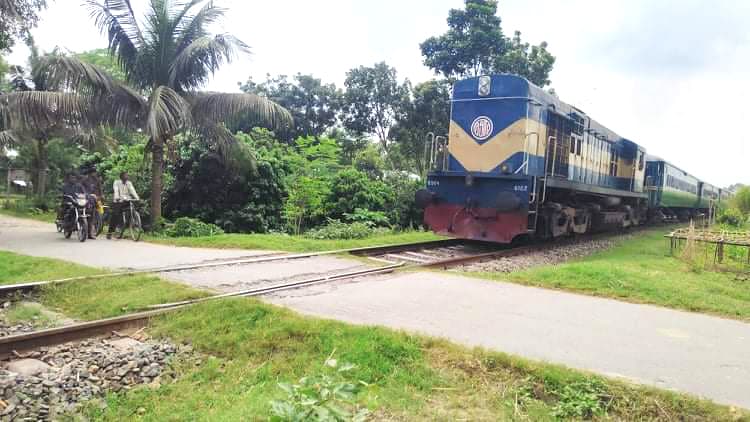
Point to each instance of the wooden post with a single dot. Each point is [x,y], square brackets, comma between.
[720,252]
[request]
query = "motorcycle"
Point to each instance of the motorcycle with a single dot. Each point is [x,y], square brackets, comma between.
[75,217]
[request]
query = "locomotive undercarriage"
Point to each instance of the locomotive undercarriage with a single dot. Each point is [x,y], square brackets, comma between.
[566,213]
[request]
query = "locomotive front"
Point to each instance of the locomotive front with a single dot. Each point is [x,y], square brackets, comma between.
[480,185]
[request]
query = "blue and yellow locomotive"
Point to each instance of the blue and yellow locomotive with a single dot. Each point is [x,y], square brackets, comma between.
[518,162]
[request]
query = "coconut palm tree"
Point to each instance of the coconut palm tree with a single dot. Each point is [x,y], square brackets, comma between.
[167,56]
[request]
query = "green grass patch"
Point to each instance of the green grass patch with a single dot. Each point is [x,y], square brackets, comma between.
[249,347]
[20,206]
[90,299]
[283,242]
[254,346]
[640,270]
[15,268]
[28,312]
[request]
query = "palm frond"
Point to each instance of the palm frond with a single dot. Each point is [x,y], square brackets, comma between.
[230,108]
[8,139]
[117,20]
[32,111]
[112,102]
[168,113]
[202,58]
[189,28]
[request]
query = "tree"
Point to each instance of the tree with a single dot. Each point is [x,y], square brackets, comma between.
[374,100]
[169,55]
[36,112]
[17,17]
[475,45]
[741,200]
[427,112]
[103,60]
[313,104]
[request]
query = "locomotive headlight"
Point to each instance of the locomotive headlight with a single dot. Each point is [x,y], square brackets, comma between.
[469,180]
[506,169]
[484,86]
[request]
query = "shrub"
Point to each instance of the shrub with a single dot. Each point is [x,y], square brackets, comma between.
[583,399]
[731,217]
[335,229]
[329,396]
[352,189]
[372,218]
[190,227]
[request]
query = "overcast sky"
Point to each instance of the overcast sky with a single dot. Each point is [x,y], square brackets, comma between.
[670,75]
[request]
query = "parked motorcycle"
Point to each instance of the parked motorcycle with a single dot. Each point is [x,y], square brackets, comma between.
[75,217]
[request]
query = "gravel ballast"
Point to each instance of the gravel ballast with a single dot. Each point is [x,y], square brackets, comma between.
[76,372]
[551,255]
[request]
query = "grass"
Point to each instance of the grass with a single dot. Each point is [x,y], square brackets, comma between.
[30,312]
[248,347]
[90,299]
[283,242]
[16,206]
[640,270]
[254,346]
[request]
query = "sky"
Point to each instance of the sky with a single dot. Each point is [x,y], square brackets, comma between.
[669,75]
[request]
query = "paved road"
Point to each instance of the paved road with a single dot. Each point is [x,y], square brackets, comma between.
[702,355]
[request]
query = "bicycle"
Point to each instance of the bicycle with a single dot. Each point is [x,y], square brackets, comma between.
[131,221]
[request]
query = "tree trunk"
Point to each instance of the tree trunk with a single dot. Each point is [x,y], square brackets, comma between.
[157,170]
[41,182]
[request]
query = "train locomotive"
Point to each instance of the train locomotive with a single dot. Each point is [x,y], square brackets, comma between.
[519,163]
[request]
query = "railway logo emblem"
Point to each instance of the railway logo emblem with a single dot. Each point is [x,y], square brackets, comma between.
[481,128]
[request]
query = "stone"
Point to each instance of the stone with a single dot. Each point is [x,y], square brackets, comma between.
[28,367]
[125,344]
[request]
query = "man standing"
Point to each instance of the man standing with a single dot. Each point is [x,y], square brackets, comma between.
[123,191]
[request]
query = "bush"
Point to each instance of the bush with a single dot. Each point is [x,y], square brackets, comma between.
[732,217]
[335,229]
[190,227]
[371,218]
[352,189]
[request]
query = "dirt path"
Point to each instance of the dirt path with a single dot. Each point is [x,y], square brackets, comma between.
[698,354]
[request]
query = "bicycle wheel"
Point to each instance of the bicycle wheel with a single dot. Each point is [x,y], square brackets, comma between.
[98,223]
[135,226]
[83,229]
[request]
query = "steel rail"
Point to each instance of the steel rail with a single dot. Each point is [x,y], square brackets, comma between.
[363,251]
[78,331]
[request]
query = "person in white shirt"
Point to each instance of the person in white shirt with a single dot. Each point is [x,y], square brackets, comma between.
[123,191]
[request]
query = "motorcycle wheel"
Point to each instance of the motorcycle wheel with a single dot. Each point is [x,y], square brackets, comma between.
[59,226]
[67,233]
[83,229]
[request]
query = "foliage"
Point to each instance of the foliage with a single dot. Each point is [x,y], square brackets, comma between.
[63,157]
[741,200]
[402,210]
[369,160]
[168,54]
[190,227]
[17,17]
[475,44]
[313,104]
[731,216]
[336,229]
[329,396]
[374,99]
[427,112]
[240,194]
[372,218]
[352,189]
[101,58]
[582,399]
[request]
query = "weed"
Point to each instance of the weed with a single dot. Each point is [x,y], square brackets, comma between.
[581,399]
[322,397]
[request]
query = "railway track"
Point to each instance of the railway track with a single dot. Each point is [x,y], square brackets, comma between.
[434,254]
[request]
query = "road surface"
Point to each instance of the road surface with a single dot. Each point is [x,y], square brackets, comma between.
[698,354]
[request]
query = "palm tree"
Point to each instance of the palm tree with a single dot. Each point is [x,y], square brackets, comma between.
[167,57]
[38,108]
